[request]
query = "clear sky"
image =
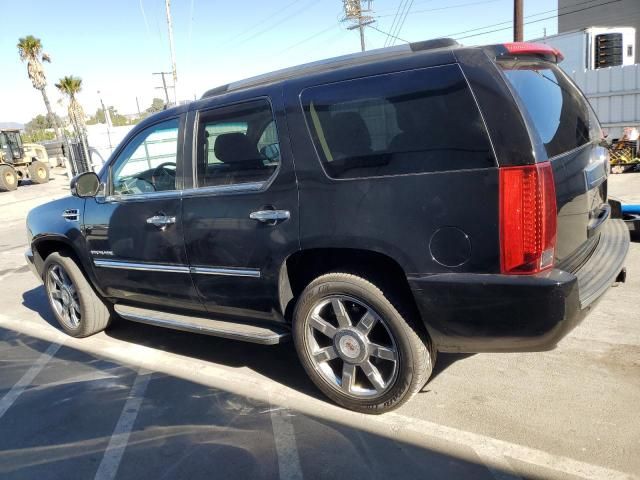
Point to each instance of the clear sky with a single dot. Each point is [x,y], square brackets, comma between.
[115,45]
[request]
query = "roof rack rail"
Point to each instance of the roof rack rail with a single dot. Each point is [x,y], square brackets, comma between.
[433,44]
[335,62]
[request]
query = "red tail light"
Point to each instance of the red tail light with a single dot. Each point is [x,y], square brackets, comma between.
[528,218]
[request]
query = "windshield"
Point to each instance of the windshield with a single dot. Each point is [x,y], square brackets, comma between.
[558,111]
[14,139]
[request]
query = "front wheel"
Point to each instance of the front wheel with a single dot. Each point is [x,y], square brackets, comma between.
[39,172]
[8,178]
[356,346]
[78,309]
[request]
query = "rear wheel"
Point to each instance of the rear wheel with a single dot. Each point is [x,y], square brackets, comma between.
[357,347]
[39,172]
[78,309]
[8,178]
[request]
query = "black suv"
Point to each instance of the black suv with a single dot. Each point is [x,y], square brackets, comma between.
[378,208]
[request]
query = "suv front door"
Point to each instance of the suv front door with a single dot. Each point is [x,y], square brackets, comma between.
[134,233]
[241,219]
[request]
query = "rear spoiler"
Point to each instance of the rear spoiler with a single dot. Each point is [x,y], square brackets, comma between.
[517,49]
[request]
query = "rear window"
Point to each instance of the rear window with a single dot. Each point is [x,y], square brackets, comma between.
[417,121]
[557,109]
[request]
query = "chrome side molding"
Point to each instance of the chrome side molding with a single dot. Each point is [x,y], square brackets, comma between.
[150,267]
[145,267]
[232,272]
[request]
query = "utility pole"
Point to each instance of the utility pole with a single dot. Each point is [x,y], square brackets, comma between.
[173,52]
[518,30]
[358,17]
[107,121]
[165,86]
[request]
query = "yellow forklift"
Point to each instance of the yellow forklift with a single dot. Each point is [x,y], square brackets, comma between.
[20,161]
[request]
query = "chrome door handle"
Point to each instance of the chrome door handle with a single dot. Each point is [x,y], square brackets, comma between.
[161,221]
[270,216]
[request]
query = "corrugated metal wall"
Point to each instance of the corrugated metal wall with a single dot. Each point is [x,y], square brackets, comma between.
[614,94]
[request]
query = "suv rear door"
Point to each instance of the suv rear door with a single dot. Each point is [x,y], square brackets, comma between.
[241,217]
[563,124]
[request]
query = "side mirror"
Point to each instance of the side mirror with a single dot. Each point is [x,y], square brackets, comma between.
[85,185]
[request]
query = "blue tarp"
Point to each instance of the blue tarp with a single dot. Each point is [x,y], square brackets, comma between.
[631,209]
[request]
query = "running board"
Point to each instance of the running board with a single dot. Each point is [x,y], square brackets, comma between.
[264,335]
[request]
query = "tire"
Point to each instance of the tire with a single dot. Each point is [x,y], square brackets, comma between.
[90,314]
[8,178]
[39,172]
[402,366]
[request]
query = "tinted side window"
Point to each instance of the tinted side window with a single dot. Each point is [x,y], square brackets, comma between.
[557,109]
[148,162]
[409,122]
[237,144]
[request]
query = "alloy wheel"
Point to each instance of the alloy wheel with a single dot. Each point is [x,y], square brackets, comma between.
[63,296]
[351,347]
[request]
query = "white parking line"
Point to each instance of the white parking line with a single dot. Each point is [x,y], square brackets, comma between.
[498,465]
[495,452]
[490,451]
[120,437]
[27,378]
[286,447]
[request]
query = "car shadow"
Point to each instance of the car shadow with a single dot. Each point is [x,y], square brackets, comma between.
[444,361]
[180,428]
[36,300]
[278,362]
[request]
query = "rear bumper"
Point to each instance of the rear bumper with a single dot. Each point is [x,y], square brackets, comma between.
[467,312]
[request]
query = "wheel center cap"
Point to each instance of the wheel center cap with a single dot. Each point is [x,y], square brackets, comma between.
[66,296]
[349,346]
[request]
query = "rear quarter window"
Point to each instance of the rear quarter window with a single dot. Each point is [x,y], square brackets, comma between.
[556,108]
[417,121]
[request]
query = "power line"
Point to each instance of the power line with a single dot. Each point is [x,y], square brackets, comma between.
[540,20]
[278,23]
[399,29]
[393,9]
[309,38]
[455,35]
[191,7]
[527,16]
[144,17]
[388,34]
[510,21]
[260,23]
[393,24]
[388,43]
[448,7]
[393,32]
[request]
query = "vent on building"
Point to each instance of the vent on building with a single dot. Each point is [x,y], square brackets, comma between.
[608,50]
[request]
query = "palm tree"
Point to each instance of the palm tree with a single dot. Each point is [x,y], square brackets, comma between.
[71,86]
[30,50]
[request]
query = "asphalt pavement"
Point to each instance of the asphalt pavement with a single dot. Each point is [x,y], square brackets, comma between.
[143,402]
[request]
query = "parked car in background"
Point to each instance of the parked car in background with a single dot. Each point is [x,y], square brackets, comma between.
[378,208]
